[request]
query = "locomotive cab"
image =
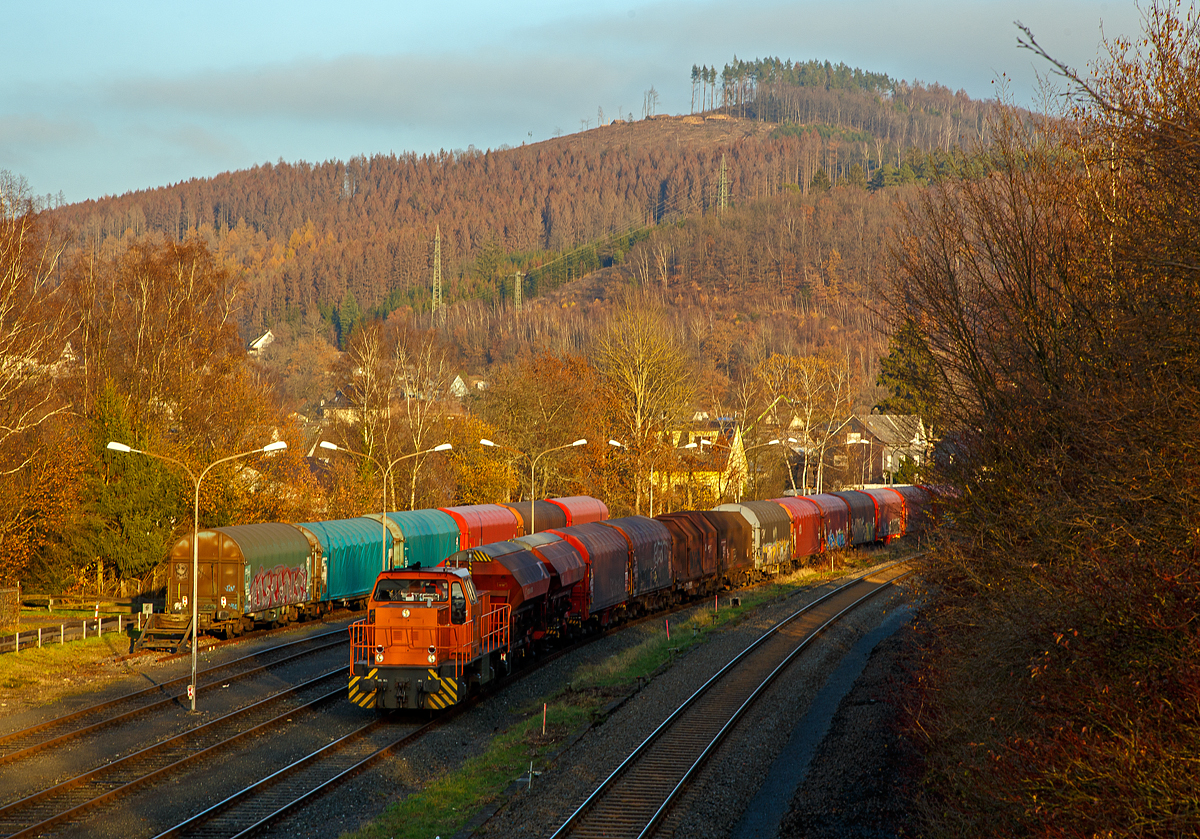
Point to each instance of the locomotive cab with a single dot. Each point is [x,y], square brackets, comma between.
[428,639]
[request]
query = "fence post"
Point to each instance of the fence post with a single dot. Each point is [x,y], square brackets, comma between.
[39,637]
[62,634]
[118,624]
[85,628]
[17,640]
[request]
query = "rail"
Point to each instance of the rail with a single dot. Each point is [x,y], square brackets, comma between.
[637,794]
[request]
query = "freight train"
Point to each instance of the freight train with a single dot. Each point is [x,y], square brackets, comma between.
[436,633]
[275,573]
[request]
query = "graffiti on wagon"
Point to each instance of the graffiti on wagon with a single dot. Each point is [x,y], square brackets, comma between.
[278,586]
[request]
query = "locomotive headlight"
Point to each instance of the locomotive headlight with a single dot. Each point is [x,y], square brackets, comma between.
[405,613]
[432,658]
[379,658]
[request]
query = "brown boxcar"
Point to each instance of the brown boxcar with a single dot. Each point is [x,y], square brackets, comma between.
[703,564]
[735,545]
[771,530]
[545,516]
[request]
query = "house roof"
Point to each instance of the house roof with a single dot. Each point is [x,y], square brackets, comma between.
[895,429]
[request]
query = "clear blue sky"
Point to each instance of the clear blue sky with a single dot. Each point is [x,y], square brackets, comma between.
[104,98]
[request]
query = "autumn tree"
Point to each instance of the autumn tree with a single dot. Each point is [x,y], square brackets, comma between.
[543,402]
[38,481]
[1058,297]
[161,367]
[647,382]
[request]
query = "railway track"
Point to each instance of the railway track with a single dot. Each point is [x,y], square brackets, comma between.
[291,787]
[67,801]
[639,794]
[274,797]
[22,744]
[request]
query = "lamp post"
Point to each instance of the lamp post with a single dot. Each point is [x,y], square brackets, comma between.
[532,469]
[334,447]
[863,470]
[278,445]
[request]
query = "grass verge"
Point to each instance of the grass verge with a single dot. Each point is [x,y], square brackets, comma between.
[38,676]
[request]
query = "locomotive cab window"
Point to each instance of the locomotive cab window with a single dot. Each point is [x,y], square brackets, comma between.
[412,592]
[458,604]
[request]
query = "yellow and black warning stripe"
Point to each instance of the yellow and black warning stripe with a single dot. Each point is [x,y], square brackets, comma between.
[443,697]
[358,695]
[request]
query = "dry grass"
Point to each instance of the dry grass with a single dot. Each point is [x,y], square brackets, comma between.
[34,677]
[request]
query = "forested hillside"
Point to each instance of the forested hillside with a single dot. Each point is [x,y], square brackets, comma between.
[350,239]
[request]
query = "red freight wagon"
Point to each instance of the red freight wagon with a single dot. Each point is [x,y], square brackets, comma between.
[481,524]
[916,507]
[889,520]
[509,571]
[807,538]
[568,573]
[581,509]
[835,520]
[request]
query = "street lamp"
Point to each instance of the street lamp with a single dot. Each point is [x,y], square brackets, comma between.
[334,447]
[863,471]
[278,445]
[532,469]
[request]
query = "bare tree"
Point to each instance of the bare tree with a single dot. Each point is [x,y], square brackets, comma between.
[648,380]
[397,380]
[34,326]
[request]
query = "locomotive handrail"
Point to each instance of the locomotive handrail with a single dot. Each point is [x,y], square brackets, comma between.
[366,637]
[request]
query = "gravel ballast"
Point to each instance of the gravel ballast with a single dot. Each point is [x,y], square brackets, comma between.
[715,803]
